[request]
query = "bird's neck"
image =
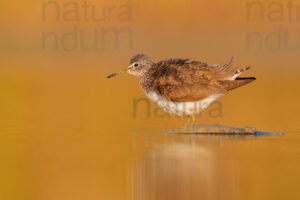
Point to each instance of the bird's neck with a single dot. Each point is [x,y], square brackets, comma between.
[146,81]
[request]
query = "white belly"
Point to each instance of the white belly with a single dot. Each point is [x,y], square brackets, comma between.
[183,108]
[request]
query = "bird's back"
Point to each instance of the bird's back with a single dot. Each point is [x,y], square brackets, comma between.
[182,80]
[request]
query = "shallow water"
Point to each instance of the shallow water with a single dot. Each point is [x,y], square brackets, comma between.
[68,133]
[78,163]
[73,135]
[219,167]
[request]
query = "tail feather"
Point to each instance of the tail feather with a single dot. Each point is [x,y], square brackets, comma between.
[225,67]
[229,76]
[237,73]
[242,70]
[228,72]
[238,82]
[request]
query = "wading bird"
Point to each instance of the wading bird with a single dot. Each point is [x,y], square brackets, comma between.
[184,87]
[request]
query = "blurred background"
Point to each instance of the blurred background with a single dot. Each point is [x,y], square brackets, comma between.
[67,132]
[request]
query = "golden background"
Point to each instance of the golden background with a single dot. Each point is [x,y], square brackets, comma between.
[67,131]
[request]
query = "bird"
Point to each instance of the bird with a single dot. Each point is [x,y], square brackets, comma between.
[185,87]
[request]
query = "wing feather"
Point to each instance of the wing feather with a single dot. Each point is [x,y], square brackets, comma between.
[181,80]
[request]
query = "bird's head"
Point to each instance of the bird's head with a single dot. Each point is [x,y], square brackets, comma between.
[138,66]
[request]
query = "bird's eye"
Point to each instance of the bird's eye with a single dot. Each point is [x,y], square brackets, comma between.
[136,64]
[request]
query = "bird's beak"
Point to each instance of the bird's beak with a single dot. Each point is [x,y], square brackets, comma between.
[120,72]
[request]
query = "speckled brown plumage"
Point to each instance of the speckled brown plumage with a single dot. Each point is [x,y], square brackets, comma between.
[184,87]
[181,80]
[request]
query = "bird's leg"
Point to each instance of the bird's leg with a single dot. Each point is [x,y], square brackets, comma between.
[188,121]
[193,119]
[184,127]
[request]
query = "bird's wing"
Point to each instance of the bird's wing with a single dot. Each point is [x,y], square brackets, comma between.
[182,81]
[189,92]
[196,68]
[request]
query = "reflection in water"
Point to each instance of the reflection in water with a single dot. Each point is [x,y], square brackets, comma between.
[195,135]
[183,173]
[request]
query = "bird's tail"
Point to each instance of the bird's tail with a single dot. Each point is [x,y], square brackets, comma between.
[236,73]
[231,74]
[225,68]
[228,72]
[228,76]
[238,82]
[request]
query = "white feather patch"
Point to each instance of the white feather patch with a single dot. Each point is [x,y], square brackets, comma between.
[183,108]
